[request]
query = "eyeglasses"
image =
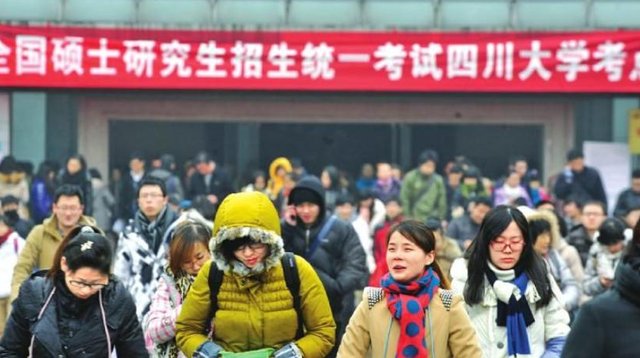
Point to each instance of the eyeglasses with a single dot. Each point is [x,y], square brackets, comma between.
[514,245]
[91,286]
[256,246]
[151,195]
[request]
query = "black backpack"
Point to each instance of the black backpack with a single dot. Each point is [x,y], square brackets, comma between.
[291,278]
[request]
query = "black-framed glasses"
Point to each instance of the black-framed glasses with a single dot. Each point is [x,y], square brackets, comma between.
[254,246]
[91,286]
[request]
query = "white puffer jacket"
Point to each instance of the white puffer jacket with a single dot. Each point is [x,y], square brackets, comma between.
[551,321]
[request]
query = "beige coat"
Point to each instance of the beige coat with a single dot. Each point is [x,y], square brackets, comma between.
[39,249]
[447,333]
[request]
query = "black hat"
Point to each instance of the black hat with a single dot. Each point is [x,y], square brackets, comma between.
[611,232]
[305,195]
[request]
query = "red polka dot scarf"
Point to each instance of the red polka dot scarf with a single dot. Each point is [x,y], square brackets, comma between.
[407,303]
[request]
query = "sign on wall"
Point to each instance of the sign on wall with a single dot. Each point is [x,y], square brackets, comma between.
[596,61]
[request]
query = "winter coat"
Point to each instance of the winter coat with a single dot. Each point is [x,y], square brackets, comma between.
[419,204]
[562,273]
[583,186]
[365,231]
[9,252]
[580,239]
[600,263]
[16,184]
[608,325]
[171,181]
[627,200]
[551,321]
[502,197]
[276,183]
[219,185]
[138,264]
[448,331]
[39,249]
[41,200]
[447,251]
[255,307]
[103,203]
[387,191]
[50,341]
[462,228]
[339,259]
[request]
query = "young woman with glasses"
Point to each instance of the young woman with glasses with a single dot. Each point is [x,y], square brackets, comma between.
[514,303]
[76,308]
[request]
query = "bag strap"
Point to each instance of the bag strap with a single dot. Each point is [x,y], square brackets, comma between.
[423,192]
[215,281]
[292,279]
[321,236]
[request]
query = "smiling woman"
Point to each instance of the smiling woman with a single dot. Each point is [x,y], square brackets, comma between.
[65,313]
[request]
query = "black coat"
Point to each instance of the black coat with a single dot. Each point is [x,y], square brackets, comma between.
[583,186]
[67,332]
[220,185]
[609,325]
[128,197]
[339,259]
[627,200]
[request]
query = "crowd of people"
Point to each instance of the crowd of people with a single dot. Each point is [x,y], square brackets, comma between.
[291,264]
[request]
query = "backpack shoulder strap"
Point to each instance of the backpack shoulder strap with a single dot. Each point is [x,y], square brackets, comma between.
[321,236]
[447,298]
[292,279]
[215,281]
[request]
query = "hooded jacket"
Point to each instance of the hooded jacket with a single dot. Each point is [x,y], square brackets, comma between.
[275,182]
[557,264]
[608,325]
[90,341]
[255,308]
[339,258]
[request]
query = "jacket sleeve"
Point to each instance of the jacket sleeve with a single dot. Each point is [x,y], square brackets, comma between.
[463,341]
[562,188]
[442,200]
[27,260]
[621,205]
[354,270]
[16,339]
[591,285]
[556,318]
[587,335]
[572,258]
[194,314]
[600,194]
[406,195]
[459,276]
[130,341]
[570,288]
[161,312]
[318,319]
[356,339]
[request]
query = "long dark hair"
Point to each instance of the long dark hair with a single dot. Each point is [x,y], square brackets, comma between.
[98,255]
[418,233]
[494,223]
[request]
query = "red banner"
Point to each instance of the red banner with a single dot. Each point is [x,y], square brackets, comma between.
[69,57]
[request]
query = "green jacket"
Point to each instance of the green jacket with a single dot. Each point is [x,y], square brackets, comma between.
[420,203]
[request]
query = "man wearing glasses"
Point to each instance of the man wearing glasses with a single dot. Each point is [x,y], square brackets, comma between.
[141,253]
[44,239]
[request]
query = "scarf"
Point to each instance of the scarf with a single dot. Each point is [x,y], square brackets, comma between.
[183,283]
[415,297]
[153,231]
[513,308]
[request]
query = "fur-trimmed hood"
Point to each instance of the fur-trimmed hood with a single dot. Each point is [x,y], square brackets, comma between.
[248,214]
[549,217]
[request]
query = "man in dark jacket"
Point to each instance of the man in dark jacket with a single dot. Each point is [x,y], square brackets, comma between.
[629,199]
[579,181]
[331,246]
[608,325]
[208,182]
[127,200]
